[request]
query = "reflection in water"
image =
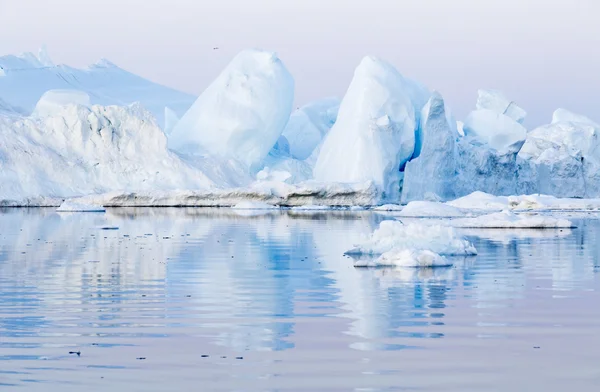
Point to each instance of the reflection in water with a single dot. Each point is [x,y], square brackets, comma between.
[253,282]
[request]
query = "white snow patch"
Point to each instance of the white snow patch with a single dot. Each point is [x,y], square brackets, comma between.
[53,102]
[423,209]
[509,220]
[73,206]
[254,205]
[388,207]
[480,201]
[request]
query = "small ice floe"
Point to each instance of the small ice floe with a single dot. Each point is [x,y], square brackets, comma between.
[395,235]
[388,207]
[254,205]
[430,209]
[409,258]
[73,206]
[509,220]
[480,201]
[311,208]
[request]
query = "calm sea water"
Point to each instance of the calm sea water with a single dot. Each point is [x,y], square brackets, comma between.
[209,299]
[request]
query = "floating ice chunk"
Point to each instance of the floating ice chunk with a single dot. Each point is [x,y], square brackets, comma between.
[395,235]
[73,206]
[564,115]
[374,135]
[480,201]
[495,101]
[53,101]
[242,113]
[311,208]
[423,209]
[545,202]
[509,220]
[254,205]
[409,258]
[435,169]
[499,131]
[388,207]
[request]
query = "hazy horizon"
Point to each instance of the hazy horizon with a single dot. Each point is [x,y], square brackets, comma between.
[539,53]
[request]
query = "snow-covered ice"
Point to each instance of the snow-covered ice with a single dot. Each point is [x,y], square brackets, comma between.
[27,77]
[510,220]
[72,206]
[498,131]
[480,201]
[254,205]
[393,234]
[495,101]
[53,101]
[374,135]
[242,114]
[424,209]
[389,207]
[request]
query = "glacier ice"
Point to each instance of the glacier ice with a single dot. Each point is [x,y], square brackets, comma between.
[53,101]
[242,114]
[435,169]
[374,135]
[498,131]
[495,101]
[171,119]
[308,125]
[73,206]
[563,115]
[562,158]
[27,77]
[79,151]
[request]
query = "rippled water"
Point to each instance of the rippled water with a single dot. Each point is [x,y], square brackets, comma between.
[206,299]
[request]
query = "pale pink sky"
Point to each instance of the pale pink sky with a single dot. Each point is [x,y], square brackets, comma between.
[541,53]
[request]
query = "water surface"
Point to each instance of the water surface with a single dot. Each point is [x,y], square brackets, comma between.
[211,299]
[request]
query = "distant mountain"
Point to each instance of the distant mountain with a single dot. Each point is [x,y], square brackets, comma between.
[26,77]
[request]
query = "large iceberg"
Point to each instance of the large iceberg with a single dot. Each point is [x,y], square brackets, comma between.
[496,102]
[435,169]
[242,114]
[79,150]
[374,135]
[562,158]
[26,77]
[488,153]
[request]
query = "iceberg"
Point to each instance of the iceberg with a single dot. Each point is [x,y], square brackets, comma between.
[374,135]
[254,205]
[53,101]
[495,101]
[435,169]
[562,158]
[393,234]
[480,201]
[308,125]
[79,151]
[242,114]
[27,77]
[488,153]
[72,206]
